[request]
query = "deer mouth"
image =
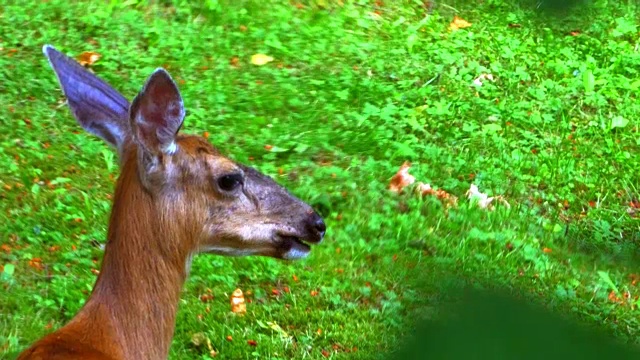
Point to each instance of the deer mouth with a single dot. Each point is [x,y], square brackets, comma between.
[293,247]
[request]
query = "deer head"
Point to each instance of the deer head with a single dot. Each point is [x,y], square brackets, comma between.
[213,203]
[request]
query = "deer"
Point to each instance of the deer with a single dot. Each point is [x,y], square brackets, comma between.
[176,196]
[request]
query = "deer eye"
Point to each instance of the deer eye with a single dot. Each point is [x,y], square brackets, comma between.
[230,182]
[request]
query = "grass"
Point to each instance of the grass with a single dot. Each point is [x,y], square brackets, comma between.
[355,90]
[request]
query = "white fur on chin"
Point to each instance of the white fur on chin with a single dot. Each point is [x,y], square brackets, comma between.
[295,254]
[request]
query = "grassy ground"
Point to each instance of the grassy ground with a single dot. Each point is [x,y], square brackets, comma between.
[354,91]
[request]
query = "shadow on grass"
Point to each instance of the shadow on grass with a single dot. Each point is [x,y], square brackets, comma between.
[492,324]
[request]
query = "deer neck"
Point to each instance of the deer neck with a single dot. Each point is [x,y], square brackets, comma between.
[142,273]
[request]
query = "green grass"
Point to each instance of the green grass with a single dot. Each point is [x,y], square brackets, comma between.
[354,91]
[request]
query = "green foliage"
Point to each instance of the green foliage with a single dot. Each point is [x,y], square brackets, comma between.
[356,89]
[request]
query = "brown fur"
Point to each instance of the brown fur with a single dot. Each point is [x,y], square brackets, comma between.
[167,208]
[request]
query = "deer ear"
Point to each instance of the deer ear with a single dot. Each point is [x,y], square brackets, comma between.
[97,107]
[157,113]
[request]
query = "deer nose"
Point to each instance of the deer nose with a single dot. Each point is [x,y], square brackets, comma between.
[317,225]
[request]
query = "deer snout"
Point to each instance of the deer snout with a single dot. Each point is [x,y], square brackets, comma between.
[316,227]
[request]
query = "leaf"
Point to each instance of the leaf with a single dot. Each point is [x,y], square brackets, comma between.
[604,276]
[88,58]
[425,189]
[60,180]
[198,339]
[458,23]
[491,128]
[480,79]
[261,59]
[411,40]
[277,149]
[483,200]
[275,327]
[588,81]
[447,199]
[618,122]
[9,269]
[238,305]
[402,178]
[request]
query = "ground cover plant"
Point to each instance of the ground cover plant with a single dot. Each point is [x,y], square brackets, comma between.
[534,104]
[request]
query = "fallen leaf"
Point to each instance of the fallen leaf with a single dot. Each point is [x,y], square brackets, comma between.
[447,199]
[36,263]
[546,250]
[314,293]
[198,339]
[88,58]
[458,23]
[275,327]
[480,79]
[235,62]
[483,200]
[252,342]
[425,189]
[402,178]
[613,297]
[375,16]
[206,298]
[618,122]
[238,305]
[261,59]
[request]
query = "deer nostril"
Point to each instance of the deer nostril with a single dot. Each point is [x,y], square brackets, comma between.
[318,223]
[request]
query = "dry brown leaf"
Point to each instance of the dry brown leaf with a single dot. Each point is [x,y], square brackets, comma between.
[425,189]
[447,199]
[88,58]
[458,23]
[402,178]
[238,305]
